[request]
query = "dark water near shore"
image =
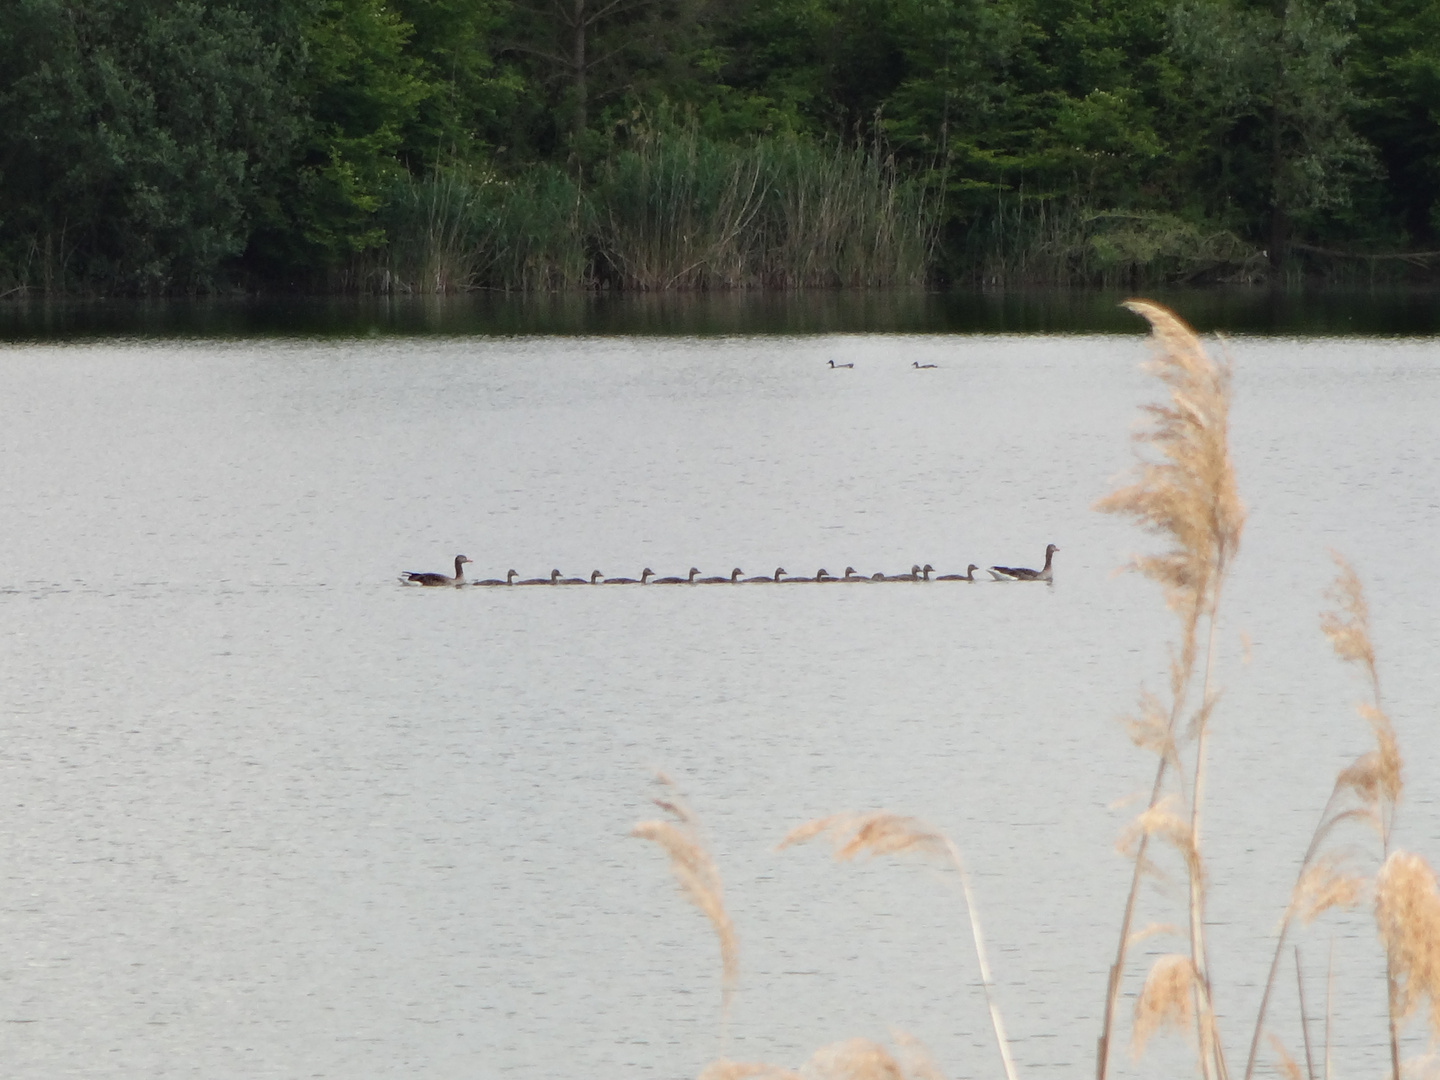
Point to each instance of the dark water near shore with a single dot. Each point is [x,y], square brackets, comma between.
[1385,313]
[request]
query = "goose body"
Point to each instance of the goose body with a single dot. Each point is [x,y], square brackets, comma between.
[579,580]
[412,577]
[852,576]
[821,575]
[1020,573]
[913,575]
[926,571]
[510,576]
[835,365]
[731,580]
[969,575]
[678,580]
[779,573]
[641,580]
[554,577]
[917,364]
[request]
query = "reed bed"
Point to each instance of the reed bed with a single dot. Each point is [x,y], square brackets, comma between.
[1184,492]
[670,210]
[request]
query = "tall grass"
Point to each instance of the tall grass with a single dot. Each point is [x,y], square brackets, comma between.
[670,210]
[1184,491]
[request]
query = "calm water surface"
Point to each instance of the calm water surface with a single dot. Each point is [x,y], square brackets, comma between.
[266,813]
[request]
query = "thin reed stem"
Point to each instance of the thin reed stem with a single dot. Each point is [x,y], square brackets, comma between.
[1304,1017]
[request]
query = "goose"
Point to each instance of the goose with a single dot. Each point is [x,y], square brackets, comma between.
[579,580]
[917,364]
[731,580]
[926,571]
[821,575]
[678,580]
[411,577]
[913,575]
[779,572]
[510,576]
[851,575]
[641,580]
[1020,573]
[969,575]
[835,365]
[554,577]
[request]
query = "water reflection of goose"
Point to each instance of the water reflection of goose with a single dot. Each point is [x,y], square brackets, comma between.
[510,576]
[554,577]
[731,580]
[644,574]
[1020,573]
[412,577]
[779,572]
[677,580]
[969,575]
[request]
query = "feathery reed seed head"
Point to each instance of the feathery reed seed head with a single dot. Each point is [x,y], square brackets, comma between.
[1284,1063]
[1166,1000]
[1188,495]
[1325,885]
[877,833]
[745,1070]
[853,1059]
[698,877]
[1407,913]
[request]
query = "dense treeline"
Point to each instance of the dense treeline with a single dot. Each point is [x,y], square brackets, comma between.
[198,145]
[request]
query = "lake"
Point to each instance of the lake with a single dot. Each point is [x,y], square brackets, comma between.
[268,813]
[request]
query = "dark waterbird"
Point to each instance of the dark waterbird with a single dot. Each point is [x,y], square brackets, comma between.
[412,577]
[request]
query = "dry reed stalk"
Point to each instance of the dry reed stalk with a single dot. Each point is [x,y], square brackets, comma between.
[883,833]
[1367,790]
[1407,912]
[1184,491]
[698,877]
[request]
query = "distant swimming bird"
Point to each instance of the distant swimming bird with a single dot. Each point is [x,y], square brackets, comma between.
[554,577]
[779,572]
[510,576]
[851,575]
[916,363]
[821,575]
[646,573]
[731,580]
[677,580]
[1020,573]
[913,575]
[835,365]
[926,571]
[969,575]
[411,577]
[579,580]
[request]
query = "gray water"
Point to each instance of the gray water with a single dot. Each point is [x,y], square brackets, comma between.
[267,813]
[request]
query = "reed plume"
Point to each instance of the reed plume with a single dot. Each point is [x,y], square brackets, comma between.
[698,877]
[1183,491]
[881,832]
[1407,911]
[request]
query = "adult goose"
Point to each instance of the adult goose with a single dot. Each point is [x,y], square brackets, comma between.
[969,575]
[579,580]
[641,580]
[731,580]
[852,576]
[411,577]
[554,577]
[917,364]
[775,580]
[678,580]
[835,365]
[1020,573]
[926,571]
[510,576]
